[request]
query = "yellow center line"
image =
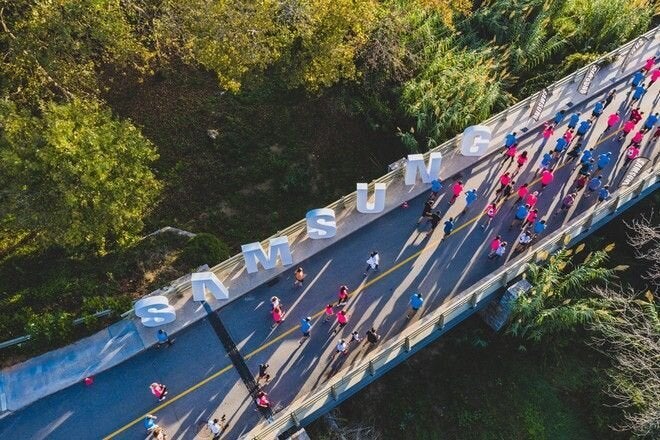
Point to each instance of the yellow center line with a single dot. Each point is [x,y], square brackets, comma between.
[431,246]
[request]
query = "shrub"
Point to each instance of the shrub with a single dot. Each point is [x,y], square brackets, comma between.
[203,249]
[49,329]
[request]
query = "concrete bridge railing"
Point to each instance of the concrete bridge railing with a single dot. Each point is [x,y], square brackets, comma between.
[439,321]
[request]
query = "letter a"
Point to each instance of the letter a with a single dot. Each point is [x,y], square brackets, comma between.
[416,165]
[253,253]
[378,205]
[201,282]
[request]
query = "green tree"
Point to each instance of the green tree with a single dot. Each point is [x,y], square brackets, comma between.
[554,304]
[57,48]
[457,88]
[74,176]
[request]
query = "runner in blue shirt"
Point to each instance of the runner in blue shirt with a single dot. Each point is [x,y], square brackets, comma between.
[637,95]
[594,185]
[510,139]
[416,302]
[603,160]
[539,227]
[583,128]
[598,110]
[638,77]
[305,328]
[561,145]
[470,198]
[651,121]
[604,193]
[521,214]
[573,121]
[559,116]
[449,226]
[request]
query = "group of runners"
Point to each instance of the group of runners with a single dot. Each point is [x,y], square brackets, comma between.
[526,216]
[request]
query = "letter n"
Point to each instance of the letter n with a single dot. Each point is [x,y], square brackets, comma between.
[201,282]
[253,253]
[416,164]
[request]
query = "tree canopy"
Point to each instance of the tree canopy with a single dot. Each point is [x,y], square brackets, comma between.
[74,175]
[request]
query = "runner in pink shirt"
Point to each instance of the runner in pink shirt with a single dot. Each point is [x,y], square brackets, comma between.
[532,198]
[531,218]
[505,179]
[655,74]
[637,139]
[568,136]
[456,189]
[627,128]
[510,153]
[648,64]
[546,178]
[632,153]
[494,244]
[522,192]
[548,131]
[612,120]
[490,212]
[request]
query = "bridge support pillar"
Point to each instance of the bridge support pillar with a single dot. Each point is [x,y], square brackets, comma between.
[333,392]
[406,344]
[473,300]
[295,419]
[371,368]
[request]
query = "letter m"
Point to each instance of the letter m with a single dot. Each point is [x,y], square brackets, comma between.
[253,253]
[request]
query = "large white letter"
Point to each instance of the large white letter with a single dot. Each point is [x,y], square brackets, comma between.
[416,163]
[363,204]
[253,253]
[476,140]
[155,311]
[321,223]
[203,281]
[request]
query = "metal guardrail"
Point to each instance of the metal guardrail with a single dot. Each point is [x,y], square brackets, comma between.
[436,322]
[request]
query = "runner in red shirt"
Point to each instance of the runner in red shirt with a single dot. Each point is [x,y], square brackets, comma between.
[456,189]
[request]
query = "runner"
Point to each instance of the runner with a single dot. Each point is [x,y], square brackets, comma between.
[636,115]
[574,120]
[355,337]
[521,215]
[655,74]
[650,122]
[604,193]
[372,336]
[274,302]
[587,168]
[604,160]
[522,192]
[587,155]
[568,135]
[583,128]
[505,179]
[627,128]
[521,161]
[510,154]
[342,320]
[263,375]
[343,295]
[581,181]
[159,391]
[609,97]
[648,64]
[416,302]
[548,131]
[637,139]
[494,245]
[278,316]
[501,250]
[539,227]
[637,79]
[532,198]
[456,189]
[470,198]
[612,121]
[329,312]
[631,154]
[531,218]
[594,185]
[598,110]
[567,202]
[559,148]
[305,328]
[436,186]
[559,116]
[149,422]
[506,191]
[546,179]
[163,338]
[341,347]
[426,211]
[490,212]
[546,162]
[524,240]
[449,226]
[435,220]
[299,276]
[575,152]
[509,140]
[373,261]
[638,95]
[262,400]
